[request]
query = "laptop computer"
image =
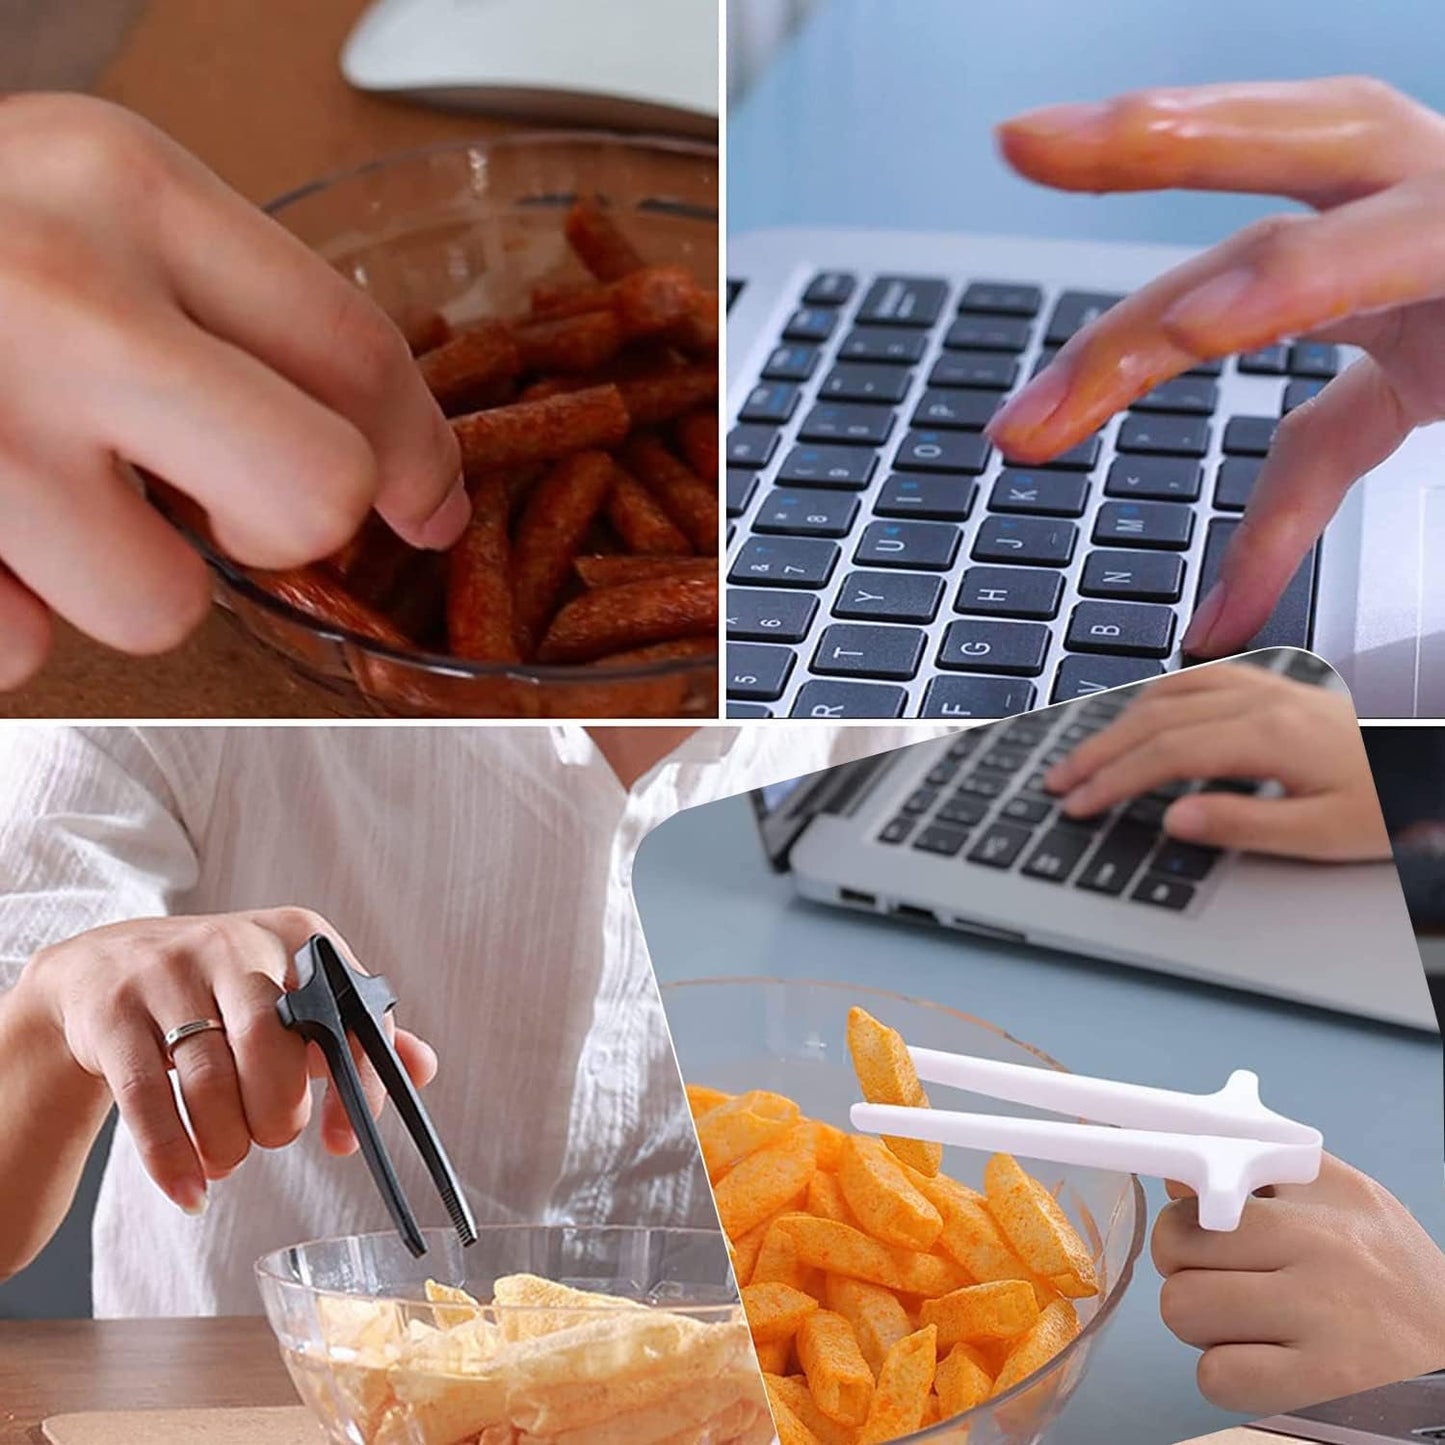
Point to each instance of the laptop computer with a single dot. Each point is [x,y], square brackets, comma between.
[884,562]
[957,832]
[1412,1411]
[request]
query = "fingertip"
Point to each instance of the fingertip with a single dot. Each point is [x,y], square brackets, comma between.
[26,632]
[444,527]
[1187,818]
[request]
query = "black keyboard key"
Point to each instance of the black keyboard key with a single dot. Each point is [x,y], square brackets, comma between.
[1081,458]
[1079,675]
[1159,479]
[848,467]
[751,446]
[992,370]
[943,772]
[963,808]
[770,401]
[1005,759]
[941,451]
[894,596]
[897,831]
[1177,436]
[1010,592]
[1235,483]
[1314,358]
[1129,629]
[1249,436]
[920,801]
[927,546]
[1117,859]
[853,381]
[756,615]
[795,362]
[810,323]
[1000,846]
[1073,311]
[830,699]
[1289,623]
[1034,541]
[941,839]
[1058,853]
[903,301]
[1147,812]
[1137,576]
[852,424]
[1242,786]
[1163,893]
[757,673]
[785,561]
[1267,361]
[1026,733]
[1026,809]
[939,499]
[1048,494]
[1016,649]
[1145,524]
[1184,860]
[830,288]
[1296,393]
[1005,298]
[891,654]
[1189,395]
[987,333]
[748,710]
[741,486]
[805,512]
[1213,367]
[956,409]
[883,343]
[976,697]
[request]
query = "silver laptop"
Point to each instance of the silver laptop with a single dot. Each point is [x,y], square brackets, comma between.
[883,562]
[1410,1413]
[957,832]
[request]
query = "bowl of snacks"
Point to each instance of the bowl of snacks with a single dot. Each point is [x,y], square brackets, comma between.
[559,294]
[895,1290]
[546,1333]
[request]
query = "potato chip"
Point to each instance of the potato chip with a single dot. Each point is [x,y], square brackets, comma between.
[901,1395]
[1033,1222]
[997,1311]
[887,1076]
[961,1382]
[454,1306]
[775,1311]
[794,1392]
[879,1321]
[765,1181]
[881,1198]
[529,1306]
[838,1375]
[1055,1327]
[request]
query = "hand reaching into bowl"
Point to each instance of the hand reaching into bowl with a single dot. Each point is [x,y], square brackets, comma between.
[154,317]
[1367,269]
[83,1030]
[1235,720]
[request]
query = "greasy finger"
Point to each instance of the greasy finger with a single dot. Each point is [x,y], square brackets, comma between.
[1207,1307]
[25,631]
[1262,1241]
[1320,450]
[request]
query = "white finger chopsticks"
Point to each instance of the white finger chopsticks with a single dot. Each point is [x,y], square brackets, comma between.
[1224,1146]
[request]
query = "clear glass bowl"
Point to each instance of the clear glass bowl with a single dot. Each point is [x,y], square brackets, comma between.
[766,1033]
[313,1293]
[466,230]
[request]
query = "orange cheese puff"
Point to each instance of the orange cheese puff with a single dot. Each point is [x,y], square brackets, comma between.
[765,1181]
[466,371]
[825,1198]
[999,1311]
[877,1318]
[887,1076]
[904,1384]
[598,242]
[793,1393]
[773,1358]
[701,1098]
[614,619]
[882,1199]
[638,519]
[1038,1228]
[961,1382]
[543,430]
[838,1375]
[791,1430]
[775,1310]
[480,622]
[1055,1327]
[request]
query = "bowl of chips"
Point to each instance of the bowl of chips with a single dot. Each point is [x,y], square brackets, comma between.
[896,1290]
[613,1336]
[559,295]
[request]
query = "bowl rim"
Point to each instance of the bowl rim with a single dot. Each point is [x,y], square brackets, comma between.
[1133,1193]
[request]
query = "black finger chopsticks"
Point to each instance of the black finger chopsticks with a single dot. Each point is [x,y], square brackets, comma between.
[333,1003]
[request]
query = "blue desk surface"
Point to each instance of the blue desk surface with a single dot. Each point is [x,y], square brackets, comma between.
[879,113]
[711,907]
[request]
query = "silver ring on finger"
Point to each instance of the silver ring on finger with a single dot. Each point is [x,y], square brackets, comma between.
[190,1030]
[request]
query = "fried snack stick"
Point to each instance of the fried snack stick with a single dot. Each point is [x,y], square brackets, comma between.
[665,395]
[555,519]
[616,619]
[697,440]
[689,501]
[639,521]
[615,569]
[470,368]
[541,431]
[319,596]
[480,617]
[426,331]
[598,243]
[651,301]
[569,343]
[676,651]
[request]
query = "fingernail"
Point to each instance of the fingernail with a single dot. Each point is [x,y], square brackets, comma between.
[1223,297]
[448,522]
[1078,801]
[1196,635]
[1051,121]
[1185,818]
[193,1198]
[1057,777]
[1033,406]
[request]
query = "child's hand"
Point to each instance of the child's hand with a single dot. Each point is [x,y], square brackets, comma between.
[154,317]
[1369,270]
[110,996]
[1324,1290]
[1237,721]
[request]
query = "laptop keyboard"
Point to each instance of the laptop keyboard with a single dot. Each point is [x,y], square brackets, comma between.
[885,562]
[983,801]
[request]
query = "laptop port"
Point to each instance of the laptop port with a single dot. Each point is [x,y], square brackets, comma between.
[909,910]
[853,895]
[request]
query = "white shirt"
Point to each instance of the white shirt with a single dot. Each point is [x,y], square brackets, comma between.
[484,870]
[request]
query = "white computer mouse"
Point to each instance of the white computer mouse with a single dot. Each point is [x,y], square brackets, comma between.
[622,64]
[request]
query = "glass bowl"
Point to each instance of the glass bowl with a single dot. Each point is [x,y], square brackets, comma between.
[339,1306]
[765,1033]
[466,230]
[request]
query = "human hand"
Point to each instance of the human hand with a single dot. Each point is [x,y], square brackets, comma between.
[111,995]
[154,317]
[1325,1289]
[1368,270]
[1235,720]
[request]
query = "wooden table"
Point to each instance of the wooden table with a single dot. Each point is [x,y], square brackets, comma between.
[60,1367]
[254,89]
